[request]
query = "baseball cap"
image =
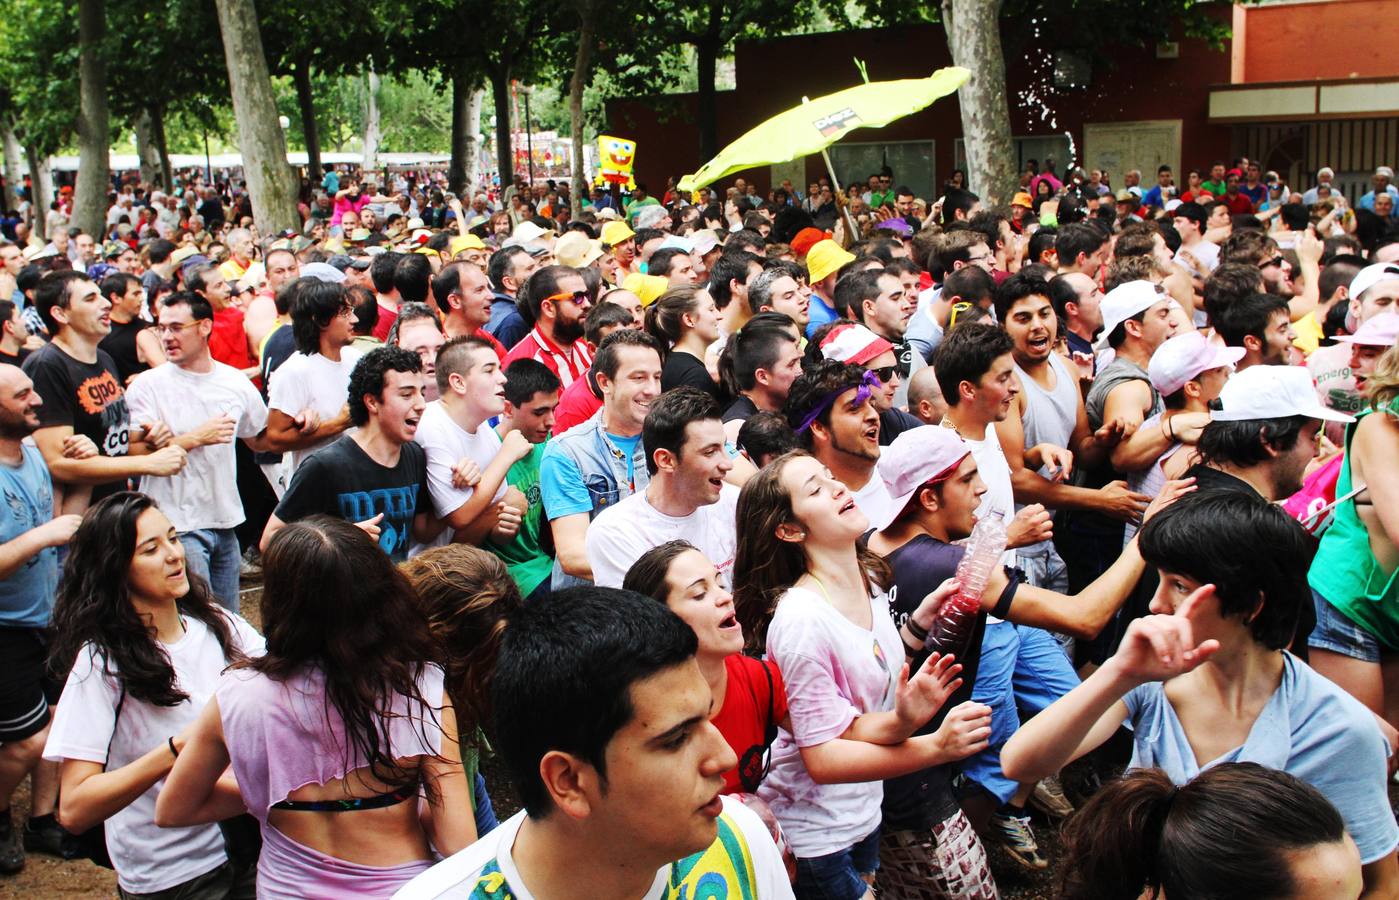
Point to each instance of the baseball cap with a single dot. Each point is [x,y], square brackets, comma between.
[343,262]
[678,242]
[195,261]
[1184,357]
[647,288]
[614,233]
[1377,331]
[915,458]
[1125,301]
[825,257]
[705,240]
[465,242]
[854,344]
[323,272]
[1372,275]
[607,214]
[577,250]
[1272,392]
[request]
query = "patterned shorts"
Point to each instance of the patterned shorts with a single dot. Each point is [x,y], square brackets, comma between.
[947,863]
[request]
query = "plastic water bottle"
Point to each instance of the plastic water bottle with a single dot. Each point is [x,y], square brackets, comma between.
[956,618]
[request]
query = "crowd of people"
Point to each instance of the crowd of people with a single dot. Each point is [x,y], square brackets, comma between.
[772,546]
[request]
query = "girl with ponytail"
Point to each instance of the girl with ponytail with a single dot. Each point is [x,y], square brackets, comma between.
[686,321]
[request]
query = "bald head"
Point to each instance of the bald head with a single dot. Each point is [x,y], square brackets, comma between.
[925,396]
[19,404]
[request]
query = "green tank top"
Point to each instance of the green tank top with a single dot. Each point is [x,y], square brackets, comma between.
[1345,571]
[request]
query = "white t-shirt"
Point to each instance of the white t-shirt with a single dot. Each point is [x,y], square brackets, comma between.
[446,444]
[875,501]
[312,382]
[147,858]
[1206,252]
[204,494]
[622,533]
[835,671]
[743,861]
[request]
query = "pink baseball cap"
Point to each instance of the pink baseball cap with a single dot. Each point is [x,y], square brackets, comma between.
[854,344]
[915,458]
[1377,331]
[1184,357]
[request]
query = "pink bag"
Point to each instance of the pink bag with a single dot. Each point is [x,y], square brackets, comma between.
[1317,493]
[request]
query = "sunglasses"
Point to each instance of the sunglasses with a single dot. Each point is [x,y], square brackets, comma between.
[885,374]
[578,297]
[1275,261]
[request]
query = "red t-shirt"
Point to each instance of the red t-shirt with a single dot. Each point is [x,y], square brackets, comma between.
[228,342]
[1239,205]
[385,321]
[577,404]
[496,345]
[568,364]
[752,701]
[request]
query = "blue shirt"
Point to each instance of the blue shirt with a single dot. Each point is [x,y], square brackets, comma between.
[561,483]
[820,314]
[331,183]
[1310,728]
[26,597]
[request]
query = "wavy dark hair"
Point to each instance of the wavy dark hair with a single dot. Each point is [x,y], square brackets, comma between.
[769,566]
[467,595]
[332,601]
[648,574]
[93,607]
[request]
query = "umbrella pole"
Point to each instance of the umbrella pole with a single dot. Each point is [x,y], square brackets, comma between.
[851,231]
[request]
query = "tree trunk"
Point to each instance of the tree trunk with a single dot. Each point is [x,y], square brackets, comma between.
[456,167]
[371,122]
[974,37]
[41,182]
[271,183]
[504,159]
[146,151]
[471,164]
[582,60]
[162,147]
[707,59]
[305,101]
[94,138]
[14,173]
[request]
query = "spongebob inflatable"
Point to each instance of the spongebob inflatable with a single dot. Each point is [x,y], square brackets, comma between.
[615,158]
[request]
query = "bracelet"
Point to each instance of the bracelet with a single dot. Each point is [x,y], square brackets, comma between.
[1166,427]
[910,650]
[919,633]
[170,742]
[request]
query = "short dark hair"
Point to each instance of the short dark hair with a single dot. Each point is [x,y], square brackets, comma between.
[757,347]
[746,239]
[1193,211]
[571,658]
[543,283]
[971,283]
[200,277]
[446,283]
[1246,247]
[605,315]
[1249,315]
[765,435]
[52,293]
[199,307]
[1245,442]
[502,263]
[526,377]
[159,250]
[609,355]
[824,378]
[1339,272]
[314,306]
[732,265]
[1076,238]
[369,376]
[659,263]
[382,268]
[1228,283]
[412,277]
[117,284]
[967,353]
[1018,287]
[454,358]
[1042,240]
[670,414]
[366,307]
[1253,552]
[853,290]
[1061,294]
[955,200]
[1296,216]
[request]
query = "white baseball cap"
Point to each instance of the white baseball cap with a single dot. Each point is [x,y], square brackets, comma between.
[915,458]
[527,231]
[1125,301]
[1372,275]
[705,240]
[1272,392]
[678,242]
[1184,357]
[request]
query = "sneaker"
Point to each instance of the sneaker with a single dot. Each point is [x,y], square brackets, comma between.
[11,847]
[1019,841]
[1049,799]
[44,835]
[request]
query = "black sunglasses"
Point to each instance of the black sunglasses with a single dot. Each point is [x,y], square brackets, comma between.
[885,373]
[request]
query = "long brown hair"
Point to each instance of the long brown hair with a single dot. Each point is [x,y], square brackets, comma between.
[467,594]
[765,566]
[1383,383]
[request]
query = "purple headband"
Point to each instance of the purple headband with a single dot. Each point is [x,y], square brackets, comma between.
[867,384]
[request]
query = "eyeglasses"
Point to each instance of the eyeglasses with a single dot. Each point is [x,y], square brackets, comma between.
[345,312]
[1275,261]
[173,329]
[885,374]
[958,308]
[578,297]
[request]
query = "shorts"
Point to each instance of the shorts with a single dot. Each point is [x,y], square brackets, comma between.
[224,883]
[1335,632]
[837,876]
[946,863]
[26,688]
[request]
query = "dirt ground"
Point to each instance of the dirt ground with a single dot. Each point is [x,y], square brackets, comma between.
[44,877]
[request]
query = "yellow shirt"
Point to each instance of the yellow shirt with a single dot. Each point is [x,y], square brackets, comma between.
[1308,331]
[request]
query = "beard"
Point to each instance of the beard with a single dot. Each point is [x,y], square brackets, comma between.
[568,330]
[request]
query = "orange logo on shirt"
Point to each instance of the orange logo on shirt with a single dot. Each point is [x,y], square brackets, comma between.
[98,392]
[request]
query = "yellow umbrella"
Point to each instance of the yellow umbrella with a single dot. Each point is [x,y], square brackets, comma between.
[816,124]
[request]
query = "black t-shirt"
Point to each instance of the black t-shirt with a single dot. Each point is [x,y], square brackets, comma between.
[120,345]
[342,480]
[683,369]
[894,422]
[920,800]
[86,396]
[740,409]
[16,359]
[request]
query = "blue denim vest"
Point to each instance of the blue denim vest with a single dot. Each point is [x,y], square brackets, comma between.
[604,470]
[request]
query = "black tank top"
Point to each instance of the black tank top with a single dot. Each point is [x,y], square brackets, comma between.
[120,344]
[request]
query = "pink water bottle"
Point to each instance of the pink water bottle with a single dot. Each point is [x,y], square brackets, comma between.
[956,618]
